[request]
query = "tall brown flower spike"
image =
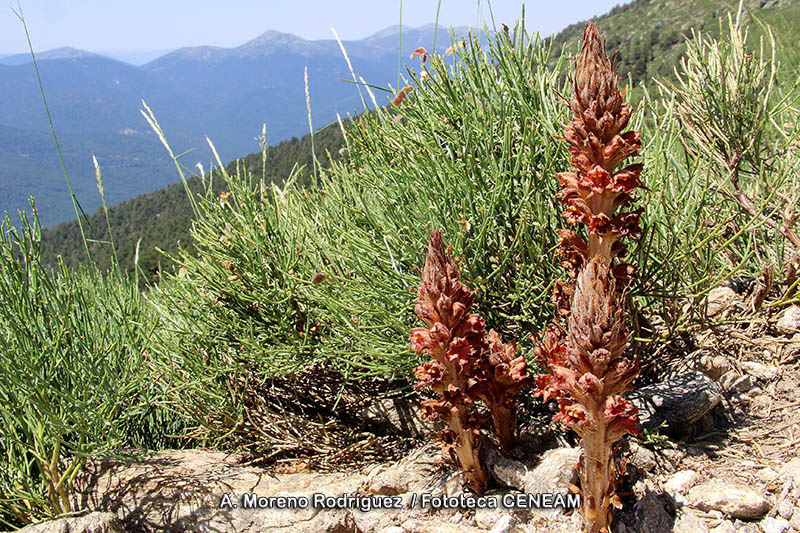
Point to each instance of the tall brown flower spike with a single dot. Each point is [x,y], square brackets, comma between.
[466,366]
[587,371]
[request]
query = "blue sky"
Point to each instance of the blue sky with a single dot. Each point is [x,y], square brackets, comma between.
[145,25]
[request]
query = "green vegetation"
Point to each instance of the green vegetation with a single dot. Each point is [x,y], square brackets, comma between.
[649,36]
[73,375]
[162,220]
[315,276]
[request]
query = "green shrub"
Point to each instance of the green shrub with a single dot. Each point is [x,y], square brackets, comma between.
[286,277]
[740,127]
[72,375]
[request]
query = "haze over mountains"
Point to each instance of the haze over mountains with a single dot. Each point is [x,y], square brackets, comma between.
[224,93]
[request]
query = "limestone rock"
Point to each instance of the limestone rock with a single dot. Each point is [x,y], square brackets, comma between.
[789,321]
[794,521]
[725,526]
[733,382]
[677,402]
[734,500]
[681,482]
[555,472]
[742,527]
[759,371]
[791,470]
[688,521]
[91,523]
[487,518]
[785,509]
[505,524]
[774,525]
[417,525]
[713,365]
[416,472]
[182,490]
[742,384]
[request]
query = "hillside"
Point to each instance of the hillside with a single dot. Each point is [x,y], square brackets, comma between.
[223,93]
[162,219]
[651,50]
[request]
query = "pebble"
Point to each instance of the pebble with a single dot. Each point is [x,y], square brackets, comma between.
[774,525]
[785,509]
[681,482]
[689,522]
[642,458]
[767,475]
[720,299]
[724,527]
[748,528]
[504,525]
[714,365]
[742,384]
[735,500]
[795,520]
[789,321]
[759,371]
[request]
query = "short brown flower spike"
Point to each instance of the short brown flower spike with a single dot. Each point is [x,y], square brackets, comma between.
[466,366]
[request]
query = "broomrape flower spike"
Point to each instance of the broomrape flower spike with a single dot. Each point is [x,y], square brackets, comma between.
[583,351]
[466,366]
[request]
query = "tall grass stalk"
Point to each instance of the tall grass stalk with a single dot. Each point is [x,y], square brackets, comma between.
[75,204]
[101,190]
[350,66]
[311,127]
[400,47]
[435,27]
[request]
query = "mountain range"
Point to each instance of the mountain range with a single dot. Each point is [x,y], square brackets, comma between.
[223,93]
[161,219]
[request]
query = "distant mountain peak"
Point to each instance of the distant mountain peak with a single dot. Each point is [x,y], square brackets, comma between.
[272,38]
[388,32]
[63,52]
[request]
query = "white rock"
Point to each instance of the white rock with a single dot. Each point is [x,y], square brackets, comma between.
[767,475]
[791,470]
[785,509]
[689,522]
[735,500]
[789,321]
[392,529]
[724,527]
[486,517]
[681,482]
[774,525]
[713,366]
[91,523]
[504,525]
[795,520]
[742,527]
[642,458]
[759,371]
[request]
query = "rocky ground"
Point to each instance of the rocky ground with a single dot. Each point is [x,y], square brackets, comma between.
[729,465]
